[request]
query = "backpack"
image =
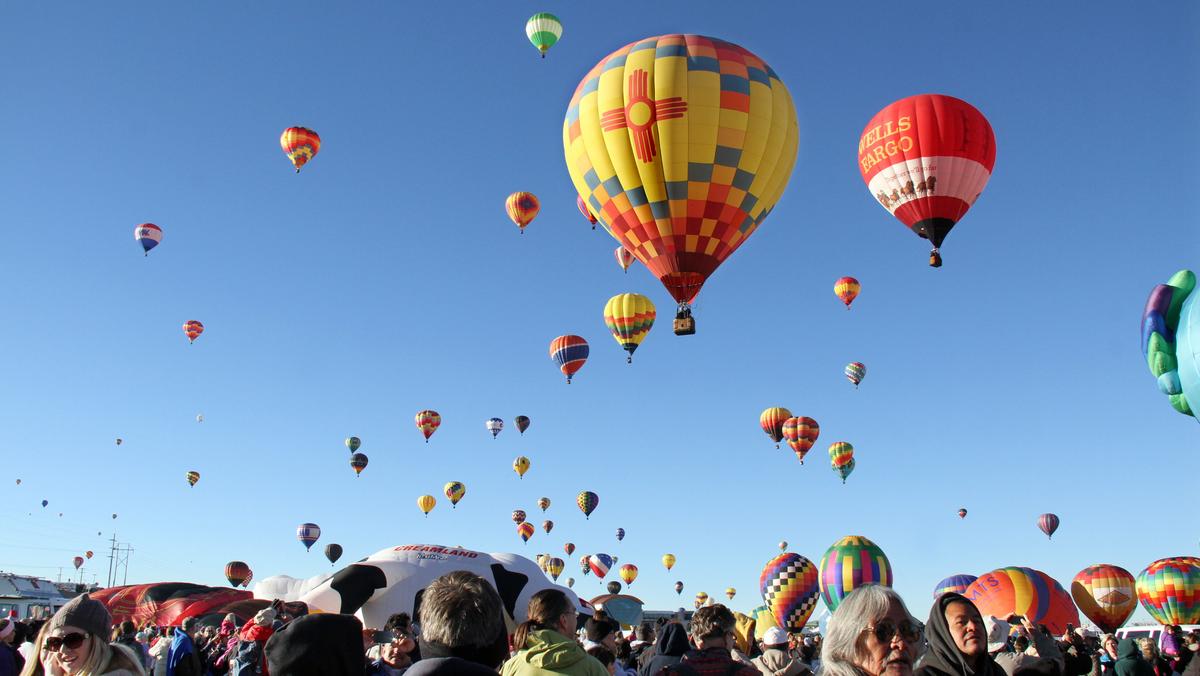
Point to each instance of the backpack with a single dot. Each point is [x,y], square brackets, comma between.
[247,659]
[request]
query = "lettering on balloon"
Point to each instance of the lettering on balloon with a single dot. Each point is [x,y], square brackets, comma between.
[877,144]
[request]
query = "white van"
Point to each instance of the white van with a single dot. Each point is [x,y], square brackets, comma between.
[28,597]
[1154,631]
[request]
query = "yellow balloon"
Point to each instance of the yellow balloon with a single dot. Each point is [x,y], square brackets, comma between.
[668,561]
[629,316]
[426,503]
[521,465]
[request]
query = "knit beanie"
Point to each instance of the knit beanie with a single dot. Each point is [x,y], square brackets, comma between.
[317,645]
[81,611]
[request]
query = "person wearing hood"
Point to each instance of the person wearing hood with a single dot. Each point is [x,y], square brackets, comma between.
[775,659]
[1048,659]
[1129,659]
[544,644]
[957,637]
[669,649]
[325,644]
[249,657]
[463,628]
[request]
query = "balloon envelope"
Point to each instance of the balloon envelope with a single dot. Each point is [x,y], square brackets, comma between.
[300,144]
[771,421]
[1169,590]
[668,560]
[955,583]
[599,564]
[850,563]
[308,533]
[1106,594]
[1026,592]
[454,490]
[522,423]
[236,572]
[847,289]
[428,421]
[333,552]
[629,316]
[1048,523]
[522,208]
[790,585]
[148,235]
[570,352]
[587,501]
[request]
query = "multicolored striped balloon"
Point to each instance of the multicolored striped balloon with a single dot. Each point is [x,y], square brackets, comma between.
[629,316]
[525,530]
[569,548]
[1048,523]
[840,453]
[801,433]
[855,372]
[587,501]
[236,572]
[308,533]
[543,30]
[585,564]
[547,526]
[428,421]
[955,583]
[1169,590]
[629,573]
[543,503]
[518,516]
[454,490]
[192,477]
[192,329]
[301,145]
[847,289]
[522,208]
[358,462]
[148,235]
[1026,592]
[569,352]
[844,471]
[790,587]
[850,563]
[771,421]
[555,567]
[1106,594]
[599,564]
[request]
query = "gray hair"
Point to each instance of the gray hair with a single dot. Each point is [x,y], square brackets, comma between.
[843,648]
[461,610]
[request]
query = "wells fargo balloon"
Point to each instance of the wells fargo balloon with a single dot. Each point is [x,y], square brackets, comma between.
[1169,590]
[678,587]
[426,503]
[587,501]
[353,443]
[525,530]
[555,567]
[522,422]
[599,564]
[543,30]
[587,213]
[569,352]
[518,516]
[333,552]
[358,462]
[192,329]
[428,421]
[78,561]
[771,420]
[668,560]
[1106,594]
[192,477]
[855,372]
[569,548]
[308,533]
[629,573]
[236,572]
[1048,523]
[847,289]
[301,145]
[624,258]
[629,316]
[148,235]
[547,526]
[521,466]
[790,586]
[1026,592]
[454,490]
[801,433]
[494,425]
[681,145]
[955,583]
[522,208]
[850,563]
[543,503]
[926,159]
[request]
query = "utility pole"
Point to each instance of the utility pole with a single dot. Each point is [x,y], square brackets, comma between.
[112,555]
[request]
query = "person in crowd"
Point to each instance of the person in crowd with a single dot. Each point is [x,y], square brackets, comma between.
[1129,660]
[463,631]
[871,634]
[605,657]
[1104,661]
[74,642]
[957,639]
[249,657]
[1191,645]
[183,657]
[222,646]
[600,630]
[624,663]
[712,634]
[1013,661]
[400,626]
[1076,654]
[672,643]
[158,653]
[26,649]
[393,659]
[776,659]
[143,648]
[127,636]
[643,640]
[1153,658]
[545,643]
[9,665]
[325,644]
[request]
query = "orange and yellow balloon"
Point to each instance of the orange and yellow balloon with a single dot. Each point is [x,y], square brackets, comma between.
[847,289]
[772,421]
[629,573]
[522,208]
[629,316]
[301,145]
[426,504]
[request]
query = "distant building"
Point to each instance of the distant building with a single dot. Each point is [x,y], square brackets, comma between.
[26,597]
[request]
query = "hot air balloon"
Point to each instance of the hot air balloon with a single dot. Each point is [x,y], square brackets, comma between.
[359,462]
[547,526]
[518,516]
[236,572]
[301,145]
[678,587]
[585,564]
[645,151]
[426,503]
[1106,594]
[353,443]
[844,471]
[847,289]
[308,533]
[555,568]
[801,433]
[962,513]
[569,352]
[148,235]
[569,548]
[587,213]
[772,420]
[494,425]
[543,29]
[333,552]
[629,316]
[120,441]
[521,466]
[1170,327]
[192,477]
[613,587]
[1048,523]
[570,582]
[730,592]
[249,576]
[522,208]
[668,560]
[701,599]
[525,530]
[850,563]
[1169,590]
[926,159]
[78,561]
[782,545]
[790,586]
[428,421]
[18,482]
[840,453]
[624,258]
[855,372]
[1029,593]
[192,329]
[454,490]
[44,503]
[114,516]
[587,502]
[89,554]
[200,418]
[544,503]
[522,423]
[620,534]
[629,573]
[955,583]
[599,564]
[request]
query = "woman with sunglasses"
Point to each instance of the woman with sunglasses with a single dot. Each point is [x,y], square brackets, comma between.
[871,634]
[73,644]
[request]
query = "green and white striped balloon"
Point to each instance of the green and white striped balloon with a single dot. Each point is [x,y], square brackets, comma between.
[544,29]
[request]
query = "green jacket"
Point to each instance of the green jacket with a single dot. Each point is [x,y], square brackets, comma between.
[1129,660]
[549,652]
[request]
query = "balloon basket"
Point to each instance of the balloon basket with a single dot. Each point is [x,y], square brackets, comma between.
[935,259]
[685,326]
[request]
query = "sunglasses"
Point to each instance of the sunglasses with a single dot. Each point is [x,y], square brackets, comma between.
[70,641]
[885,631]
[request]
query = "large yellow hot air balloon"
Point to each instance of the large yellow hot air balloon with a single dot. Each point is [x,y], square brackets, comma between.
[426,503]
[668,561]
[629,316]
[681,145]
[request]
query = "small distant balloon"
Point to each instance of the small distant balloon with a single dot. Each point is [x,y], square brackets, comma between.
[587,213]
[45,502]
[333,552]
[1048,523]
[89,554]
[522,422]
[544,503]
[426,504]
[428,421]
[192,329]
[855,372]
[668,561]
[570,352]
[543,30]
[620,534]
[587,501]
[353,443]
[679,587]
[847,289]
[200,418]
[120,441]
[78,561]
[494,425]
[624,258]
[301,144]
[569,548]
[547,526]
[148,235]
[783,545]
[962,513]
[308,534]
[518,516]
[358,462]
[522,208]
[521,466]
[525,530]
[570,582]
[192,477]
[454,490]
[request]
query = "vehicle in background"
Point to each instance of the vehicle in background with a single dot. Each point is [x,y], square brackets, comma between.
[29,597]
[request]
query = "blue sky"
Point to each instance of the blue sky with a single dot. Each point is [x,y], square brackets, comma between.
[385,279]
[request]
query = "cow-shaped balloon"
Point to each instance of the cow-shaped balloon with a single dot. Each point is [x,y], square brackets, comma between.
[393,580]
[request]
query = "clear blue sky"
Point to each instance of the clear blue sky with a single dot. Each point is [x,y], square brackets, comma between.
[385,279]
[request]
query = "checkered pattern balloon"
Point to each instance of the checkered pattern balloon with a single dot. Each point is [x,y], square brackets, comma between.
[1169,590]
[790,587]
[1106,593]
